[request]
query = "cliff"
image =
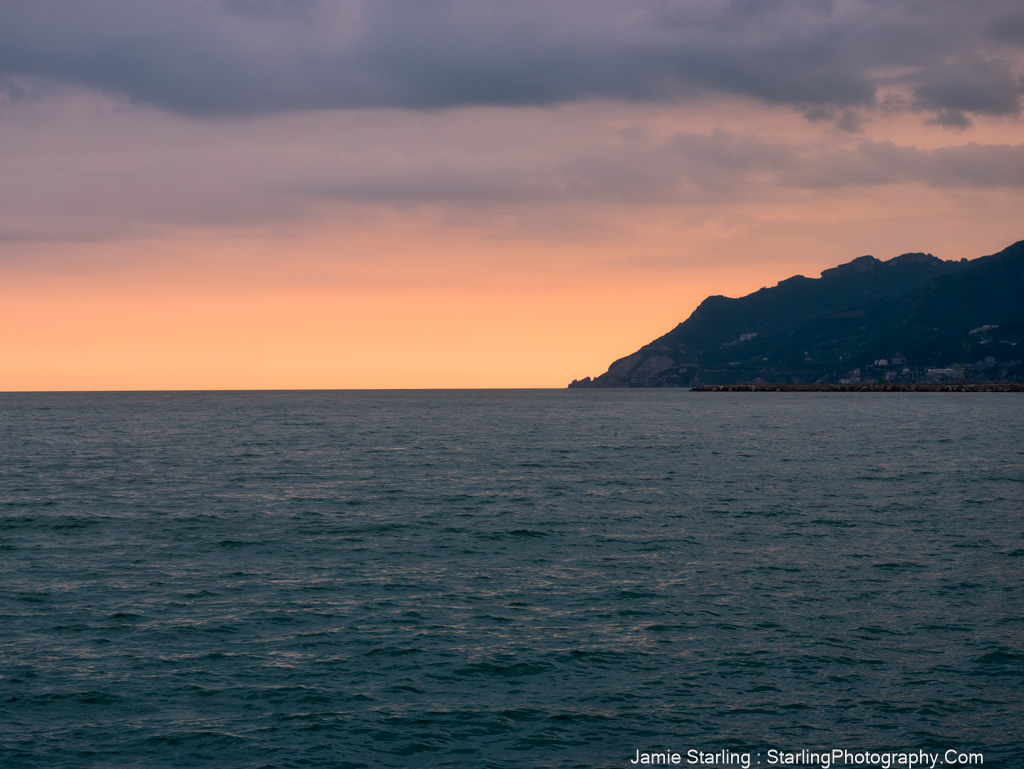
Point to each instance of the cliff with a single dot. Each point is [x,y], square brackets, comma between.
[912,318]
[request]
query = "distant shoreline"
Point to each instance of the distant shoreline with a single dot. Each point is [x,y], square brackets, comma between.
[921,387]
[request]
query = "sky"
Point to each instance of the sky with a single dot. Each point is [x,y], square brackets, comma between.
[290,194]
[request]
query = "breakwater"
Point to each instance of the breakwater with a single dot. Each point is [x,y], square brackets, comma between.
[906,387]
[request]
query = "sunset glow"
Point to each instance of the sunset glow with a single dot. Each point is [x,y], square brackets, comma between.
[237,205]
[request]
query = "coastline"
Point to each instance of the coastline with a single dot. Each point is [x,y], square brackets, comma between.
[906,387]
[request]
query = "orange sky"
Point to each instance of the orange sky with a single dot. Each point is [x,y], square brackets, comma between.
[425,303]
[457,246]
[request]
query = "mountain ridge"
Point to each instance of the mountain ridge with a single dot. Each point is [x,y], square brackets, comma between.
[914,317]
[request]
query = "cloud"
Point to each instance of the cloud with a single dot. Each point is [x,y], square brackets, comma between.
[243,57]
[951,118]
[272,9]
[981,86]
[693,169]
[79,169]
[968,166]
[1008,26]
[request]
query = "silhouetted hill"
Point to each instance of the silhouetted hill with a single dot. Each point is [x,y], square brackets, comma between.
[911,318]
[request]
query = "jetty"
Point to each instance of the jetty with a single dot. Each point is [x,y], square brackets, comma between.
[893,387]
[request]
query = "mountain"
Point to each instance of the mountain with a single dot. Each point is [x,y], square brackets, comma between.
[912,318]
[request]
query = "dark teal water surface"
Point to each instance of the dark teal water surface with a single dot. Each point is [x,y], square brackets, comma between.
[507,578]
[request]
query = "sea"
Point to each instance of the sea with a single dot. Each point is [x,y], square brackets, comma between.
[511,578]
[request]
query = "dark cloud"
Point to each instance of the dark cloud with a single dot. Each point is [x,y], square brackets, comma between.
[15,90]
[847,120]
[272,9]
[951,118]
[261,56]
[1008,26]
[981,86]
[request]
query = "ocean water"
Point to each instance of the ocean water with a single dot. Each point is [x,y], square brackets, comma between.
[509,578]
